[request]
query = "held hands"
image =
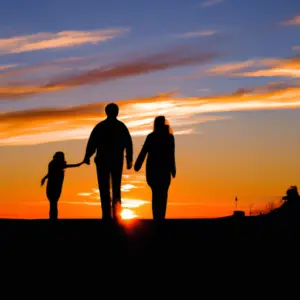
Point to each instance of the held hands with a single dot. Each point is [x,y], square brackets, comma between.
[129,165]
[86,161]
[174,173]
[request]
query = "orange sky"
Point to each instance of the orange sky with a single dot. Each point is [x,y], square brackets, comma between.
[256,161]
[235,115]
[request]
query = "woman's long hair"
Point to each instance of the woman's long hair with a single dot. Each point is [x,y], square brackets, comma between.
[161,125]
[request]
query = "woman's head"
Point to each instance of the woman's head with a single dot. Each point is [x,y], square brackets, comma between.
[161,124]
[59,156]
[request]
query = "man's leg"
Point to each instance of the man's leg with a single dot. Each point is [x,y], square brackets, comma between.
[104,185]
[53,210]
[116,176]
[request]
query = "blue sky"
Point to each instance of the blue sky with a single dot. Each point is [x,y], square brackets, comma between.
[245,29]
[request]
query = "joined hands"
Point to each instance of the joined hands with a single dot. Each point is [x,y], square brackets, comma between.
[129,165]
[174,173]
[86,161]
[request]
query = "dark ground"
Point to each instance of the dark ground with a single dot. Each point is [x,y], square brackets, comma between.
[184,239]
[195,250]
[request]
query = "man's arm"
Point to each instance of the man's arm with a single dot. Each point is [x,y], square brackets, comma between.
[141,157]
[173,161]
[129,148]
[91,146]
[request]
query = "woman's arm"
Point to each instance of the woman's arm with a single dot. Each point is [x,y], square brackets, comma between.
[141,157]
[74,165]
[44,179]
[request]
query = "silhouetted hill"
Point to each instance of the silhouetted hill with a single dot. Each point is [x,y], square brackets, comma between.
[287,212]
[21,239]
[141,255]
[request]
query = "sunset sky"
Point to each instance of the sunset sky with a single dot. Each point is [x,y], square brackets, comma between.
[225,73]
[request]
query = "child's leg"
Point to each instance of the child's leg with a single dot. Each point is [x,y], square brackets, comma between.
[53,213]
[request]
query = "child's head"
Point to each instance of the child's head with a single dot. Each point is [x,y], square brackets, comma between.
[59,156]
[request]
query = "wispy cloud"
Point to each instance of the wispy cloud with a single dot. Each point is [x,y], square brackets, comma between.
[296,48]
[93,199]
[129,183]
[232,67]
[57,65]
[129,204]
[278,68]
[208,3]
[263,67]
[194,34]
[185,114]
[52,40]
[176,57]
[5,67]
[292,22]
[281,67]
[49,125]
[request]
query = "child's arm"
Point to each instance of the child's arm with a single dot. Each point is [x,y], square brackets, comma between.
[44,179]
[74,165]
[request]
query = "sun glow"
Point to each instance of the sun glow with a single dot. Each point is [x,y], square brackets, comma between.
[127,214]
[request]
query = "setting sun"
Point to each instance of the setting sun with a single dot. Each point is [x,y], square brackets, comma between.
[127,214]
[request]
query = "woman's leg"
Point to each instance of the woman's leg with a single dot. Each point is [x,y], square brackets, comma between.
[155,203]
[163,194]
[159,181]
[164,201]
[159,202]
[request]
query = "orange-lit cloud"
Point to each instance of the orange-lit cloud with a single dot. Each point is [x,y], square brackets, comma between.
[129,201]
[291,22]
[175,57]
[288,67]
[49,125]
[264,67]
[92,198]
[62,39]
[235,68]
[208,3]
[184,113]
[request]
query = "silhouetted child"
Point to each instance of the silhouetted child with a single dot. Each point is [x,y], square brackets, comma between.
[55,178]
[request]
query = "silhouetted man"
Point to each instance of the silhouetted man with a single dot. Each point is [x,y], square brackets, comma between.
[109,139]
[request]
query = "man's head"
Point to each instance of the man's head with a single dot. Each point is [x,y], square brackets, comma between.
[112,110]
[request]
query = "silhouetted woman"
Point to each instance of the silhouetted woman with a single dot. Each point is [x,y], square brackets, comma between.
[55,178]
[160,165]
